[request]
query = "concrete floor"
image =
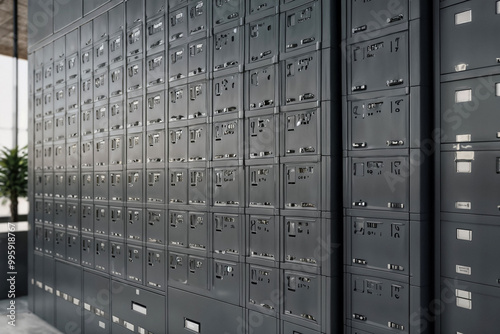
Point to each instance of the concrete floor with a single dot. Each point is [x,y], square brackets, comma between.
[26,322]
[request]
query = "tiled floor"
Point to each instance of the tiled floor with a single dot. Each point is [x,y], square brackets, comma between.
[26,322]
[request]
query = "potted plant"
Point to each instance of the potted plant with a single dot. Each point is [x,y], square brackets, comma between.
[13,177]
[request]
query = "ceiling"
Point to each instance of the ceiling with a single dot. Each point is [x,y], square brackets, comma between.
[7,28]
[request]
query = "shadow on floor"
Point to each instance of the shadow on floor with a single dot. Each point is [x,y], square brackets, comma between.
[26,322]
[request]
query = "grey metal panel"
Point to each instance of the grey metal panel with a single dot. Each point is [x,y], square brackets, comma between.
[87,217]
[72,150]
[155,269]
[48,240]
[72,185]
[370,188]
[262,88]
[468,252]
[303,239]
[135,112]
[135,224]
[116,115]
[155,69]
[101,257]
[116,48]
[199,182]
[302,298]
[389,55]
[60,244]
[198,235]
[155,149]
[177,103]
[48,211]
[227,140]
[135,75]
[263,237]
[117,222]
[73,247]
[198,276]
[38,158]
[262,40]
[38,290]
[87,153]
[101,220]
[117,259]
[39,77]
[101,85]
[39,238]
[379,123]
[227,281]
[178,26]
[100,26]
[155,37]
[135,12]
[38,138]
[101,54]
[227,231]
[60,130]
[178,229]
[59,158]
[199,18]
[86,92]
[178,63]
[38,110]
[87,188]
[289,328]
[227,11]
[101,150]
[48,184]
[59,214]
[198,62]
[48,298]
[178,186]
[262,284]
[116,19]
[199,143]
[155,7]
[187,310]
[72,66]
[116,152]
[155,187]
[38,184]
[302,26]
[301,79]
[469,180]
[302,186]
[155,228]
[468,110]
[135,149]
[91,5]
[135,185]
[156,105]
[138,307]
[178,144]
[228,46]
[48,103]
[228,186]
[366,17]
[72,216]
[471,307]
[178,267]
[135,37]
[48,130]
[135,263]
[66,13]
[72,42]
[463,28]
[87,251]
[41,22]
[261,322]
[263,186]
[95,324]
[86,62]
[176,3]
[382,244]
[60,68]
